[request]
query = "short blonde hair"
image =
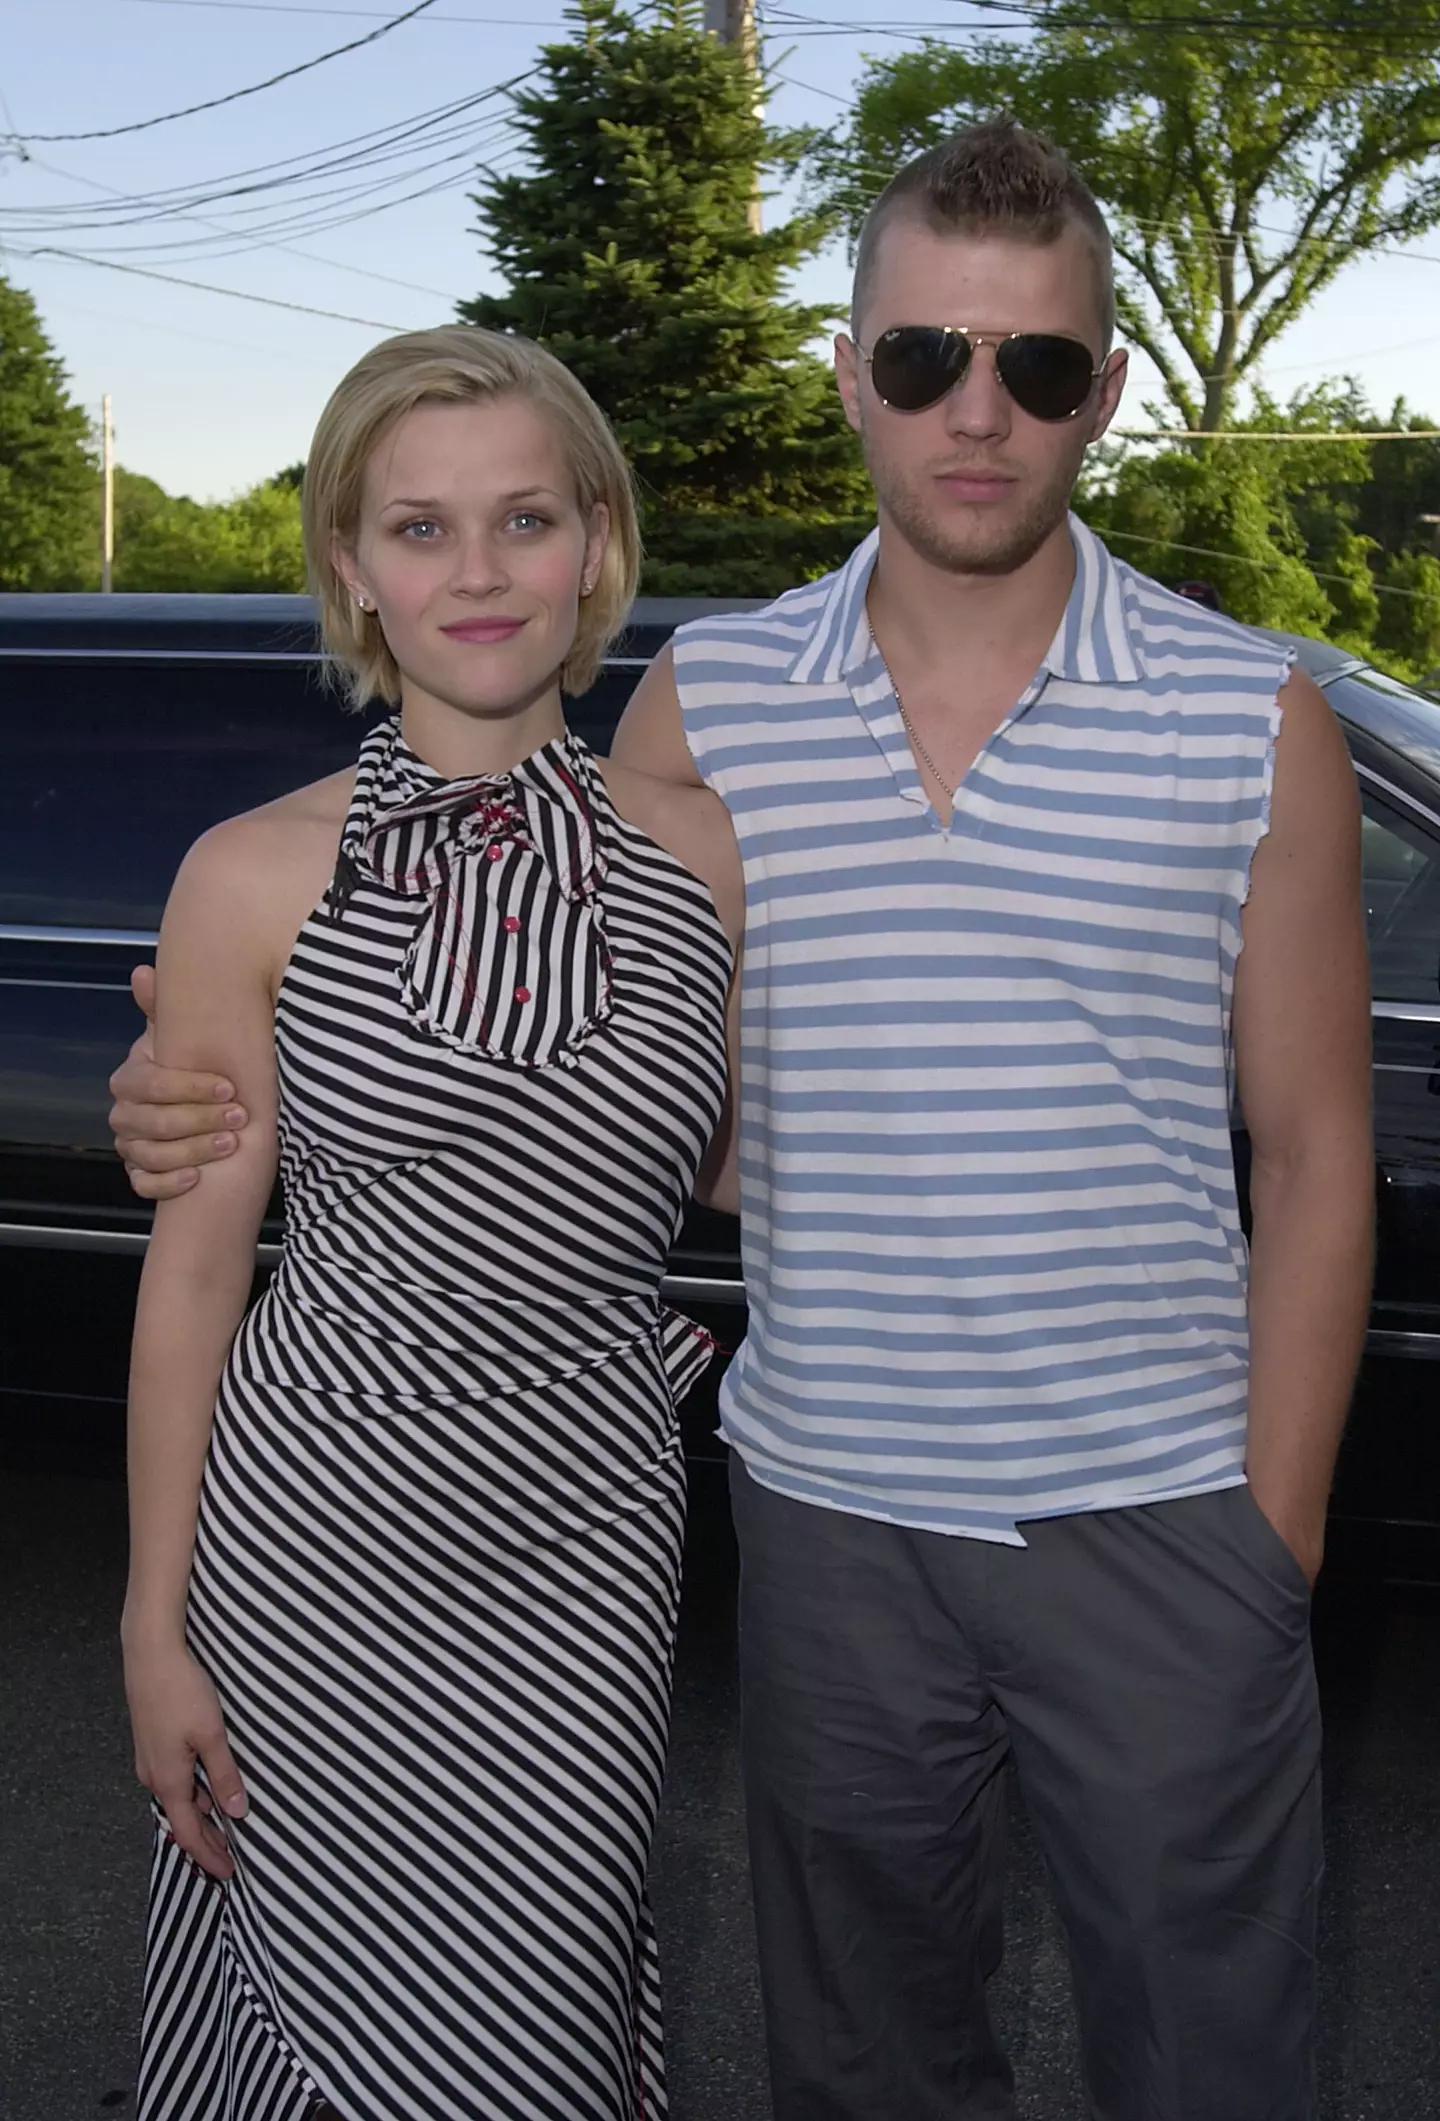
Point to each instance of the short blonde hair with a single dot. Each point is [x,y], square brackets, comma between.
[457,364]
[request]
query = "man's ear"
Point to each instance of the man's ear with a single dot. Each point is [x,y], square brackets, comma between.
[1112,389]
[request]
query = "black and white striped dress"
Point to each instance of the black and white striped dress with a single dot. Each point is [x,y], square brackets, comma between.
[438,1557]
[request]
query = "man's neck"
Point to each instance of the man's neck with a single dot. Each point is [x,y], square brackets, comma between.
[926,616]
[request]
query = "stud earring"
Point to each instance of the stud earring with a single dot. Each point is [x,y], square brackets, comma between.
[363,602]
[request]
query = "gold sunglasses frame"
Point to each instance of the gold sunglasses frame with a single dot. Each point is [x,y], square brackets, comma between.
[974,340]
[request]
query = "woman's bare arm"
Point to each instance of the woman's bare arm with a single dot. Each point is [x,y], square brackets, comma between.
[223,938]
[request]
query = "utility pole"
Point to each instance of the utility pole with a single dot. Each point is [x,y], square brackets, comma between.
[733,22]
[107,501]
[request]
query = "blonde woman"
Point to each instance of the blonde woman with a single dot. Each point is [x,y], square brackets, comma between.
[406,1545]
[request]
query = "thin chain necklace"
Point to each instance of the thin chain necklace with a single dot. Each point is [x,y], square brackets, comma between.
[911,731]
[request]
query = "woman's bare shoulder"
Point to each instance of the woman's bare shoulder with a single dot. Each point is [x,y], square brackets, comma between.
[285,829]
[264,871]
[690,823]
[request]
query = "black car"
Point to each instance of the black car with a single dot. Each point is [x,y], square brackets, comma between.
[129,724]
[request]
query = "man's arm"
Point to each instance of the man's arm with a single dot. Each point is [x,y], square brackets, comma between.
[717,1183]
[651,734]
[1302,1049]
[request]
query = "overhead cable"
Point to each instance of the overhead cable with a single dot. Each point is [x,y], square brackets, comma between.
[141,125]
[239,294]
[297,213]
[425,130]
[1277,434]
[1245,559]
[1040,14]
[348,14]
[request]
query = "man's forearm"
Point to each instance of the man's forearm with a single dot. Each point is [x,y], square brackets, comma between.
[1312,1255]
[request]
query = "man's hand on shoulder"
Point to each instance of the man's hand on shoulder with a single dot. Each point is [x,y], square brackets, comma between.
[249,879]
[651,735]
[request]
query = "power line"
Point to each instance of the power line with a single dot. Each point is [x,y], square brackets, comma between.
[167,329]
[365,272]
[1037,14]
[141,125]
[355,148]
[347,14]
[332,205]
[312,214]
[232,242]
[1245,559]
[1368,353]
[428,129]
[1277,434]
[239,294]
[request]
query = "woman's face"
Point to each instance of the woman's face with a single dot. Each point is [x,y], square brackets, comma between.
[474,552]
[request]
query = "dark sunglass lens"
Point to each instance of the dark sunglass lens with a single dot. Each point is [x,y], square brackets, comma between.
[915,364]
[1047,376]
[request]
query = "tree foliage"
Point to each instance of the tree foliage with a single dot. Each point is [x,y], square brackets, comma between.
[168,542]
[49,480]
[1245,151]
[626,249]
[1282,529]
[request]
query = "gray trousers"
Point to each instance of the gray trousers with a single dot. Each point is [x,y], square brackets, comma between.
[1149,1671]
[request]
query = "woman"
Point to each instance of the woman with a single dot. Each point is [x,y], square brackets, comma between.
[400,1619]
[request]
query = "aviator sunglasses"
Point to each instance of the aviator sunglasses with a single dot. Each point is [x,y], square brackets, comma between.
[915,365]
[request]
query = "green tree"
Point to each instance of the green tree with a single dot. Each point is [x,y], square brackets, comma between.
[1281,528]
[1407,638]
[1404,483]
[169,542]
[1226,520]
[626,249]
[1244,154]
[49,481]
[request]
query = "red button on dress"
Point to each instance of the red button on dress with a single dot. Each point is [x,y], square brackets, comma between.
[512,925]
[522,994]
[497,854]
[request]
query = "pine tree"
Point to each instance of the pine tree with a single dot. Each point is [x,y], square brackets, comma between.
[49,484]
[627,251]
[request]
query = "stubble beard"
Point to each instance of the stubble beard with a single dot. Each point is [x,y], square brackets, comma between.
[976,546]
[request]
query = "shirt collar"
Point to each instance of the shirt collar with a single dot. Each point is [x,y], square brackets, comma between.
[1098,641]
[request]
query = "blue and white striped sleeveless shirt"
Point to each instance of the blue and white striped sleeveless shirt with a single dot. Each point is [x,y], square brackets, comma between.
[990,1231]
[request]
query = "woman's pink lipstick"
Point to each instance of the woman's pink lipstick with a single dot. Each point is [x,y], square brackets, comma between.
[483,631]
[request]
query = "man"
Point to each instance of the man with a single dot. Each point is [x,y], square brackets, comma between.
[1027,1462]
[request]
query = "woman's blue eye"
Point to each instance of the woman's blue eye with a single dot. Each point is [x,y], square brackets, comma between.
[528,515]
[423,523]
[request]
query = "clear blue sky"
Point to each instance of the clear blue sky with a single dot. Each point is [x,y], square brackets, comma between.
[212,393]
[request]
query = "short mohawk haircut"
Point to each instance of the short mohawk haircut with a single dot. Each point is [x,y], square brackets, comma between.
[995,178]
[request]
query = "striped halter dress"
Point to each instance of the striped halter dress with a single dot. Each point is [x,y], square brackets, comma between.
[437,1565]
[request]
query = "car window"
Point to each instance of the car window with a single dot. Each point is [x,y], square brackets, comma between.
[1402,904]
[1406,720]
[114,766]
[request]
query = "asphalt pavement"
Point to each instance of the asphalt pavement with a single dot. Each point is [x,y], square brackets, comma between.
[73,1839]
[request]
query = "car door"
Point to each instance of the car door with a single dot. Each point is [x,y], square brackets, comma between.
[1402,911]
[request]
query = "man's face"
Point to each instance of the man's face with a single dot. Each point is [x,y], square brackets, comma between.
[974,484]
